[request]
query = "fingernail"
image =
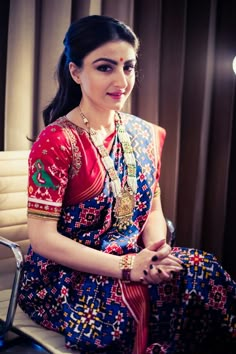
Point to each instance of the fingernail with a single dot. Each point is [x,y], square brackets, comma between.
[145,272]
[178,268]
[154,258]
[151,266]
[159,270]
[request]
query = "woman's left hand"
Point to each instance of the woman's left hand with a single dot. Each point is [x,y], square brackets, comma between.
[163,265]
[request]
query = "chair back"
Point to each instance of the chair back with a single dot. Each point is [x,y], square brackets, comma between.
[13,210]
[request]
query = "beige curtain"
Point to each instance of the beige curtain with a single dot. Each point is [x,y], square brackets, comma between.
[185,83]
[19,75]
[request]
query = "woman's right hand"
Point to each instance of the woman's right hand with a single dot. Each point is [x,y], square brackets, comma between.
[155,264]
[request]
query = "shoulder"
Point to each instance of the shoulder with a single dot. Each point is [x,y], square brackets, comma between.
[136,124]
[55,139]
[56,130]
[62,131]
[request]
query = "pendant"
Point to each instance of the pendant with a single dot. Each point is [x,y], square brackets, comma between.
[124,207]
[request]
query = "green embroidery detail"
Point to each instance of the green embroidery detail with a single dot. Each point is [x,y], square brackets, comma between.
[41,178]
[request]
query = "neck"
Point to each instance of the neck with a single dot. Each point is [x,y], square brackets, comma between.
[98,119]
[105,125]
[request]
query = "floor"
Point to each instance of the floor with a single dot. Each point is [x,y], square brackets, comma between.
[23,349]
[14,344]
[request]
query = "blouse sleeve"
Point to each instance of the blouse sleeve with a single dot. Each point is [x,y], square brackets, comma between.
[160,135]
[49,163]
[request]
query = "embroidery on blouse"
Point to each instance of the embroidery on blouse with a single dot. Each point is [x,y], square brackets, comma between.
[41,178]
[70,131]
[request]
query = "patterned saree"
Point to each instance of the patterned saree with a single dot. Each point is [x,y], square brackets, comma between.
[97,314]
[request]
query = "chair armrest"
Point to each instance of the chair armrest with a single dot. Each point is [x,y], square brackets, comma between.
[171,234]
[13,298]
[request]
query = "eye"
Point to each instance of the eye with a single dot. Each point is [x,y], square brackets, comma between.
[104,68]
[129,67]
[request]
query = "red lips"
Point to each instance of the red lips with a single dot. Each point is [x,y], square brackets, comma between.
[116,95]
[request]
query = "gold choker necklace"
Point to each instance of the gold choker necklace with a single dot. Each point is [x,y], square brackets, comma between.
[125,197]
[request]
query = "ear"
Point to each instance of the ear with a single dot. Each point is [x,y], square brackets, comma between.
[74,71]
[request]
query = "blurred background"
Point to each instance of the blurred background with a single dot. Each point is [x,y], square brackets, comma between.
[185,83]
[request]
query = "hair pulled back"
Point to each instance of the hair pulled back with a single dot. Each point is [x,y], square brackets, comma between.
[82,37]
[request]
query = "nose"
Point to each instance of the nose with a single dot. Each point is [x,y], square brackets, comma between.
[121,79]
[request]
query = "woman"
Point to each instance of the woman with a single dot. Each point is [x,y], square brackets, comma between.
[99,269]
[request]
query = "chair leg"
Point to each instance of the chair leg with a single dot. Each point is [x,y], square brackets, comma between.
[171,234]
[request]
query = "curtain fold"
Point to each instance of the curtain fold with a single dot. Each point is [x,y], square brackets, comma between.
[19,75]
[4,20]
[170,97]
[194,122]
[81,8]
[220,142]
[147,24]
[55,17]
[185,84]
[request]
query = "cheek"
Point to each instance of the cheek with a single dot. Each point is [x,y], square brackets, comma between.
[100,83]
[90,86]
[131,82]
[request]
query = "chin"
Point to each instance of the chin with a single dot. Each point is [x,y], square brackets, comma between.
[117,106]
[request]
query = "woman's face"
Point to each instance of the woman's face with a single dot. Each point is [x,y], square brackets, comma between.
[108,75]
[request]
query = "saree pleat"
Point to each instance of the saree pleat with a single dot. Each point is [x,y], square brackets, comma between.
[137,299]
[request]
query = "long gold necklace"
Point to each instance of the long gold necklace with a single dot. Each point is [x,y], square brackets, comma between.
[125,197]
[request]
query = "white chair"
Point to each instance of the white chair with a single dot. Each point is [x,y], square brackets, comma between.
[14,243]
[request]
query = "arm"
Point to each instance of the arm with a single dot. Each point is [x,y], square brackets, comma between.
[155,227]
[47,242]
[154,237]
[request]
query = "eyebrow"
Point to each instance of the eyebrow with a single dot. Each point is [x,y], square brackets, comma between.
[114,62]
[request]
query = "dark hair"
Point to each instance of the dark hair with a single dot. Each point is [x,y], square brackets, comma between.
[82,37]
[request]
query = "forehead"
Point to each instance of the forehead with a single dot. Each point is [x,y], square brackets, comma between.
[113,50]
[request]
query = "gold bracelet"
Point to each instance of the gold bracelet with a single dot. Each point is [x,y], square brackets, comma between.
[126,265]
[157,192]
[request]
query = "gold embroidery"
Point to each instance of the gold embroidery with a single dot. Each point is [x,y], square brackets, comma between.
[71,138]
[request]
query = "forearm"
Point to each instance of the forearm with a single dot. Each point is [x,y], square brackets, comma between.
[47,242]
[155,228]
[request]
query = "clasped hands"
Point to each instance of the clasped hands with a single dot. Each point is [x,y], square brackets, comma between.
[155,264]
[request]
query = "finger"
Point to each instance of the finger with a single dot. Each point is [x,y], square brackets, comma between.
[175,258]
[167,273]
[163,252]
[158,272]
[154,275]
[145,279]
[151,275]
[163,273]
[168,261]
[157,275]
[173,269]
[165,265]
[156,245]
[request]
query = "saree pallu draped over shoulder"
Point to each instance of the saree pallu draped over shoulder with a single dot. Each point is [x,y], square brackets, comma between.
[97,314]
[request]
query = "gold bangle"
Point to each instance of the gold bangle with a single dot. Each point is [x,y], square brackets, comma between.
[126,265]
[157,192]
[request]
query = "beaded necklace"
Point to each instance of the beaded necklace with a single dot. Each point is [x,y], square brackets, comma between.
[125,197]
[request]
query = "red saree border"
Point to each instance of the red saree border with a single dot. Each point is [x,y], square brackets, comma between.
[135,296]
[98,175]
[94,189]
